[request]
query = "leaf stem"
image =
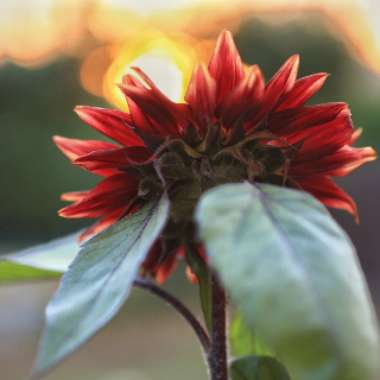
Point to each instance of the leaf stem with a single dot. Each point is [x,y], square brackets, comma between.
[218,350]
[180,308]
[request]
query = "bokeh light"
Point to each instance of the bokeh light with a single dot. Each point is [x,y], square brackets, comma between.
[167,61]
[33,33]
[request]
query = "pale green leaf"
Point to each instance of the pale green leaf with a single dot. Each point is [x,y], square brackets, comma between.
[42,261]
[258,368]
[98,282]
[295,276]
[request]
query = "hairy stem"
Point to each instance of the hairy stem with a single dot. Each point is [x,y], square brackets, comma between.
[218,349]
[180,308]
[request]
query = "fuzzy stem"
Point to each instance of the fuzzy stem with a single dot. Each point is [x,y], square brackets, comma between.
[180,308]
[218,349]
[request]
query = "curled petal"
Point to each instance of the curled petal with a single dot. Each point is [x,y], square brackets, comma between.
[179,111]
[160,263]
[167,267]
[304,88]
[331,195]
[291,121]
[163,115]
[340,163]
[109,195]
[119,158]
[149,113]
[322,140]
[114,124]
[74,148]
[103,223]
[225,65]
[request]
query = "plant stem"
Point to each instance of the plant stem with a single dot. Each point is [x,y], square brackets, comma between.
[180,308]
[218,349]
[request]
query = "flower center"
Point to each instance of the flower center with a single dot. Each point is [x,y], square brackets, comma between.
[187,167]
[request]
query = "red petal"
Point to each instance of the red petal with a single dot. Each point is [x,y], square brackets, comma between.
[201,95]
[179,111]
[340,163]
[281,83]
[114,124]
[191,276]
[103,223]
[166,268]
[324,139]
[154,257]
[163,116]
[290,121]
[356,135]
[324,189]
[303,90]
[256,84]
[119,158]
[73,148]
[239,107]
[109,195]
[73,196]
[225,65]
[149,113]
[256,90]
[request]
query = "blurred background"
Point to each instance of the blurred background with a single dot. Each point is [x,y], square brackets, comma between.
[55,54]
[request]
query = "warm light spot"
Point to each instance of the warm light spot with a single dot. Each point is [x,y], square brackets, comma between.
[94,68]
[166,62]
[35,32]
[165,73]
[145,7]
[32,33]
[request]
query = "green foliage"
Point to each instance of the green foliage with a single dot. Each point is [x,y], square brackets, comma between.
[98,282]
[258,368]
[204,277]
[39,262]
[10,272]
[244,341]
[295,277]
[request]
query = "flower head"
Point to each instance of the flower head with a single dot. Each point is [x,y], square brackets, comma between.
[232,127]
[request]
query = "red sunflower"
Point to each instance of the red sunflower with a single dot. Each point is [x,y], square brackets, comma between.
[232,127]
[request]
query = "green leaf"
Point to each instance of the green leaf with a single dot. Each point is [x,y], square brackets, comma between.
[258,368]
[244,341]
[204,278]
[295,276]
[42,261]
[98,282]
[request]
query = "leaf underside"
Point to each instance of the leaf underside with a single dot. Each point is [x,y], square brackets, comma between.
[43,261]
[97,283]
[295,276]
